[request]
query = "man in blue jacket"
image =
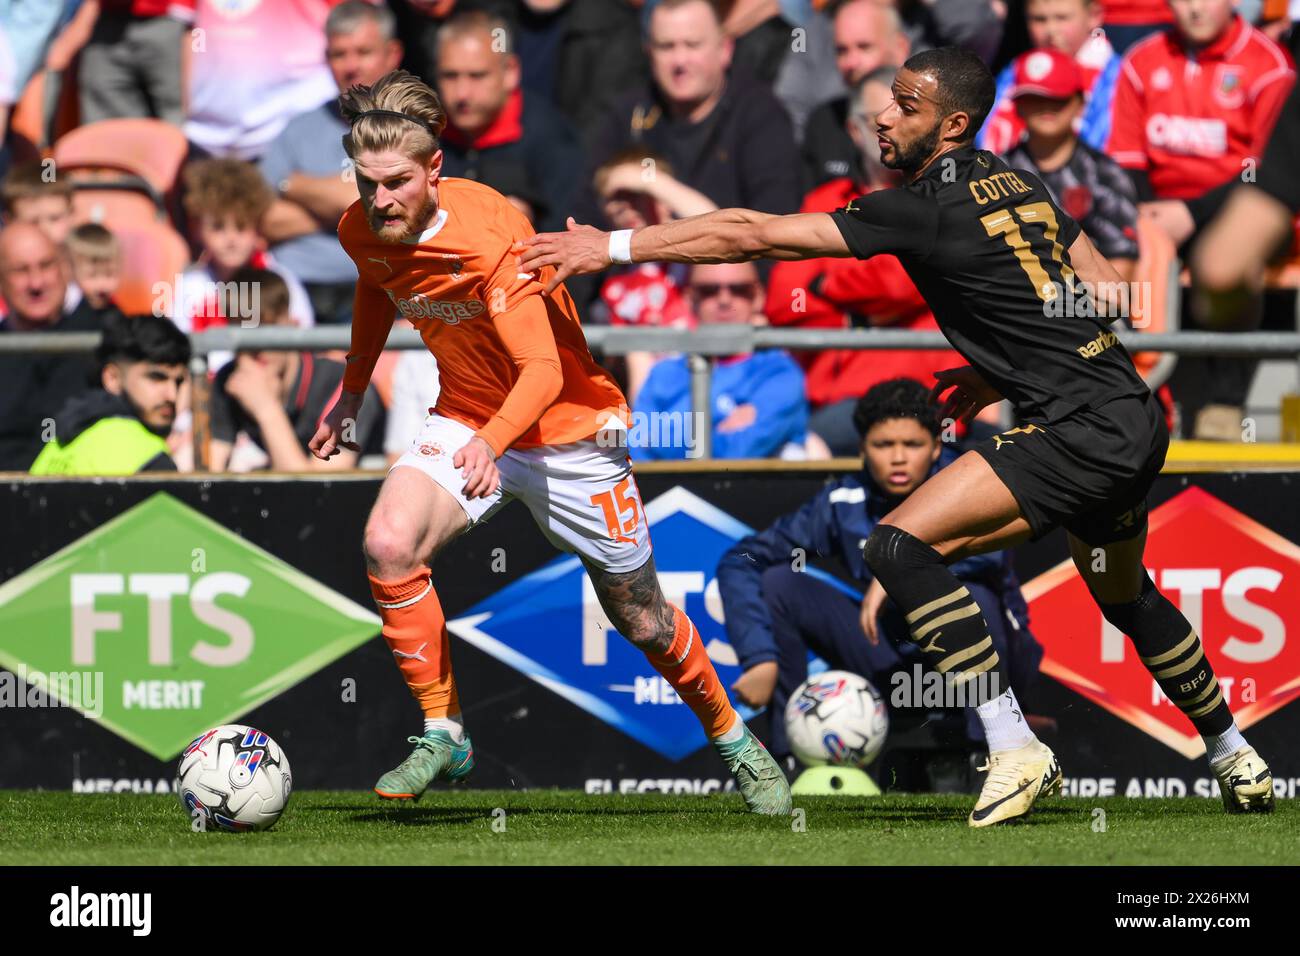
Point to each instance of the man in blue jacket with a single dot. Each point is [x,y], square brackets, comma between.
[758,407]
[776,612]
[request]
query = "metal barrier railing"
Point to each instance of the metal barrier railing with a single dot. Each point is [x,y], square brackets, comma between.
[708,340]
[698,344]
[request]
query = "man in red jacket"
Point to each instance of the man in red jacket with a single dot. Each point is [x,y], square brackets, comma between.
[839,293]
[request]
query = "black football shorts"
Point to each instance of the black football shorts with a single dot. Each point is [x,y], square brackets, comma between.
[1088,472]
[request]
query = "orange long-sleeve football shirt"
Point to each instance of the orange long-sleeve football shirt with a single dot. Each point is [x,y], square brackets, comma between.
[512,360]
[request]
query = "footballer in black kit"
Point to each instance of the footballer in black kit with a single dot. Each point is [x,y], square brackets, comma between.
[1015,286]
[988,249]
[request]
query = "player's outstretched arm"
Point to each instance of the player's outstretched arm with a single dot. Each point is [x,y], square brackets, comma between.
[1109,290]
[725,235]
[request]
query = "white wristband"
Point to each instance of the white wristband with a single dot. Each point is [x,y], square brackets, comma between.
[620,247]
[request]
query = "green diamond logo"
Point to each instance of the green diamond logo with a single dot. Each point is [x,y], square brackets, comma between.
[189,625]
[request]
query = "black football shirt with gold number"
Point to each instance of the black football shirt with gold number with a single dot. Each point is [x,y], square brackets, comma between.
[987,248]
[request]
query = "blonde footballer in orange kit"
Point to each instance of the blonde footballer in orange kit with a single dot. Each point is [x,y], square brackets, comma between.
[521,404]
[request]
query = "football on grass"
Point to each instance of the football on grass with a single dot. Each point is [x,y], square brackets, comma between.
[233,778]
[836,718]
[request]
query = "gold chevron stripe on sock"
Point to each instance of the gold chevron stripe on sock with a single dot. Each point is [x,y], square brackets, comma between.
[972,672]
[1155,660]
[959,657]
[937,603]
[962,612]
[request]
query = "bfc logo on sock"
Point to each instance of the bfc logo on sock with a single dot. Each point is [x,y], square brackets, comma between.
[550,627]
[1238,584]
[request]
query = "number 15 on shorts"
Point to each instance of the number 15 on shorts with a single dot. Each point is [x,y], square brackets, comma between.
[621,500]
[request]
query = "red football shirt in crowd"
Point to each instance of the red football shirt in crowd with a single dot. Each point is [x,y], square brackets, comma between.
[1191,118]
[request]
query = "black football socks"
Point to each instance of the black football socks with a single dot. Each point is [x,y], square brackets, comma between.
[1171,650]
[946,623]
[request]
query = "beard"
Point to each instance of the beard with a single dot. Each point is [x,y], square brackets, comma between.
[160,422]
[911,157]
[411,225]
[162,429]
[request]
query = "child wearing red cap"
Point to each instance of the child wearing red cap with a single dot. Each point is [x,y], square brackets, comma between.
[1075,28]
[1086,183]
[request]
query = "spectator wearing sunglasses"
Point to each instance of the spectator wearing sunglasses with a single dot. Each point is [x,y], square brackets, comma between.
[757,404]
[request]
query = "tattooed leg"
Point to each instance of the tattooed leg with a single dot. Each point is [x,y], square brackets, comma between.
[636,606]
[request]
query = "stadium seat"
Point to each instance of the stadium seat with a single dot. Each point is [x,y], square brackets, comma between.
[141,154]
[148,148]
[152,252]
[47,108]
[112,207]
[27,122]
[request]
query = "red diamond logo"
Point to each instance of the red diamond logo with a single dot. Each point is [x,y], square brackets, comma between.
[1238,583]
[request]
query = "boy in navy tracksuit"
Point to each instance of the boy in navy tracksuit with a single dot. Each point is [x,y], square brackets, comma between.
[776,613]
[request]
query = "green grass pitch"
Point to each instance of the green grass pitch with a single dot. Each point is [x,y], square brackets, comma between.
[566,827]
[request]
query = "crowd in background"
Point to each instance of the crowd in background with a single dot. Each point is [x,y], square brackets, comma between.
[1137,114]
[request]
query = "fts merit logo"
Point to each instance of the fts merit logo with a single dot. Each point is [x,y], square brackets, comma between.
[190,625]
[549,626]
[1236,581]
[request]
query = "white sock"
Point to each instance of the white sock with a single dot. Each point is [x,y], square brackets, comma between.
[1005,727]
[454,724]
[736,731]
[1219,746]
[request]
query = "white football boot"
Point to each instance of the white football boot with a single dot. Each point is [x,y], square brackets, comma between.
[1245,782]
[1016,779]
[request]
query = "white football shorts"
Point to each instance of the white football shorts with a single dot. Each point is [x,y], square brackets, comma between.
[582,495]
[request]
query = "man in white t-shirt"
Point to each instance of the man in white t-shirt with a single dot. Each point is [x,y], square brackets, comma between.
[261,63]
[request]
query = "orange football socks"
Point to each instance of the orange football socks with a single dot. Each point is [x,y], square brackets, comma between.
[416,631]
[687,667]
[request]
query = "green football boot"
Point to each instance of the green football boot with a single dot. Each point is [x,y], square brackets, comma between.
[435,755]
[757,774]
